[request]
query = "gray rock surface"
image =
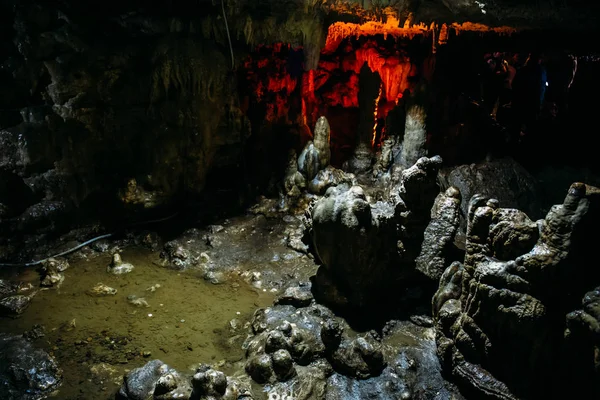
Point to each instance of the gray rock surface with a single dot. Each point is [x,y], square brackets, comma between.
[316,155]
[501,317]
[26,373]
[308,352]
[368,248]
[155,380]
[502,179]
[269,252]
[439,234]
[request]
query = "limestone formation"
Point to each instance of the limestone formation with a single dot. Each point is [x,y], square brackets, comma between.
[501,317]
[155,380]
[385,158]
[15,297]
[26,372]
[118,267]
[329,177]
[368,248]
[53,272]
[439,235]
[316,155]
[415,135]
[361,161]
[294,181]
[305,351]
[503,179]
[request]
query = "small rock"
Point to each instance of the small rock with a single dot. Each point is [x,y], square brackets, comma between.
[102,290]
[15,305]
[260,368]
[283,365]
[422,320]
[137,301]
[118,267]
[296,296]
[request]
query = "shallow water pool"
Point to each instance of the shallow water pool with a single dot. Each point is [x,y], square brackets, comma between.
[95,340]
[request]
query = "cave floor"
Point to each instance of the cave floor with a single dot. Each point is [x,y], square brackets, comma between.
[185,321]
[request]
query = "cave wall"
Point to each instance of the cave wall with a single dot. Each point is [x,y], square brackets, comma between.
[107,106]
[129,110]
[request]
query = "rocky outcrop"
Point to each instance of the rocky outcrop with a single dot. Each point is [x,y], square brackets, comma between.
[368,248]
[361,161]
[503,179]
[53,269]
[155,380]
[504,319]
[305,351]
[15,297]
[267,252]
[129,123]
[26,372]
[415,136]
[439,235]
[298,349]
[316,155]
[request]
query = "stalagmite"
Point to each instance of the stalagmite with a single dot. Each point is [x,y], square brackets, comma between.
[316,154]
[415,135]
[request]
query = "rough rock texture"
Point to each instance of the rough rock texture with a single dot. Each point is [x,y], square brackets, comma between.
[501,317]
[15,297]
[308,353]
[155,380]
[316,155]
[267,252]
[361,161]
[415,135]
[26,373]
[439,234]
[329,177]
[583,338]
[385,157]
[368,249]
[293,181]
[120,109]
[53,272]
[503,179]
[212,384]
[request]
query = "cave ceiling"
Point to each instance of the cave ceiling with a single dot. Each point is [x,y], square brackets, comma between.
[316,25]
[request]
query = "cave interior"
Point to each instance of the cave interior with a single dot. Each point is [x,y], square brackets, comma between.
[336,199]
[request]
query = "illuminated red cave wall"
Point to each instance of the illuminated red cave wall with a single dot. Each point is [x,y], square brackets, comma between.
[285,96]
[277,90]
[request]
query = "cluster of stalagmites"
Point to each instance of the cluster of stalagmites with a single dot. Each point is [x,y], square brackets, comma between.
[310,171]
[298,349]
[510,319]
[506,319]
[510,316]
[367,248]
[156,380]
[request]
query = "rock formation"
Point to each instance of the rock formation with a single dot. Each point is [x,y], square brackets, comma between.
[439,235]
[415,135]
[503,179]
[316,155]
[368,248]
[509,320]
[26,372]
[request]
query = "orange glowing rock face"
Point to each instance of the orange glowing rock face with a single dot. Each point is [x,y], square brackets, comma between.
[474,27]
[300,98]
[341,30]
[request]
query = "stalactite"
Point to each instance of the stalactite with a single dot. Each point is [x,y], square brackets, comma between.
[375,115]
[370,85]
[182,66]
